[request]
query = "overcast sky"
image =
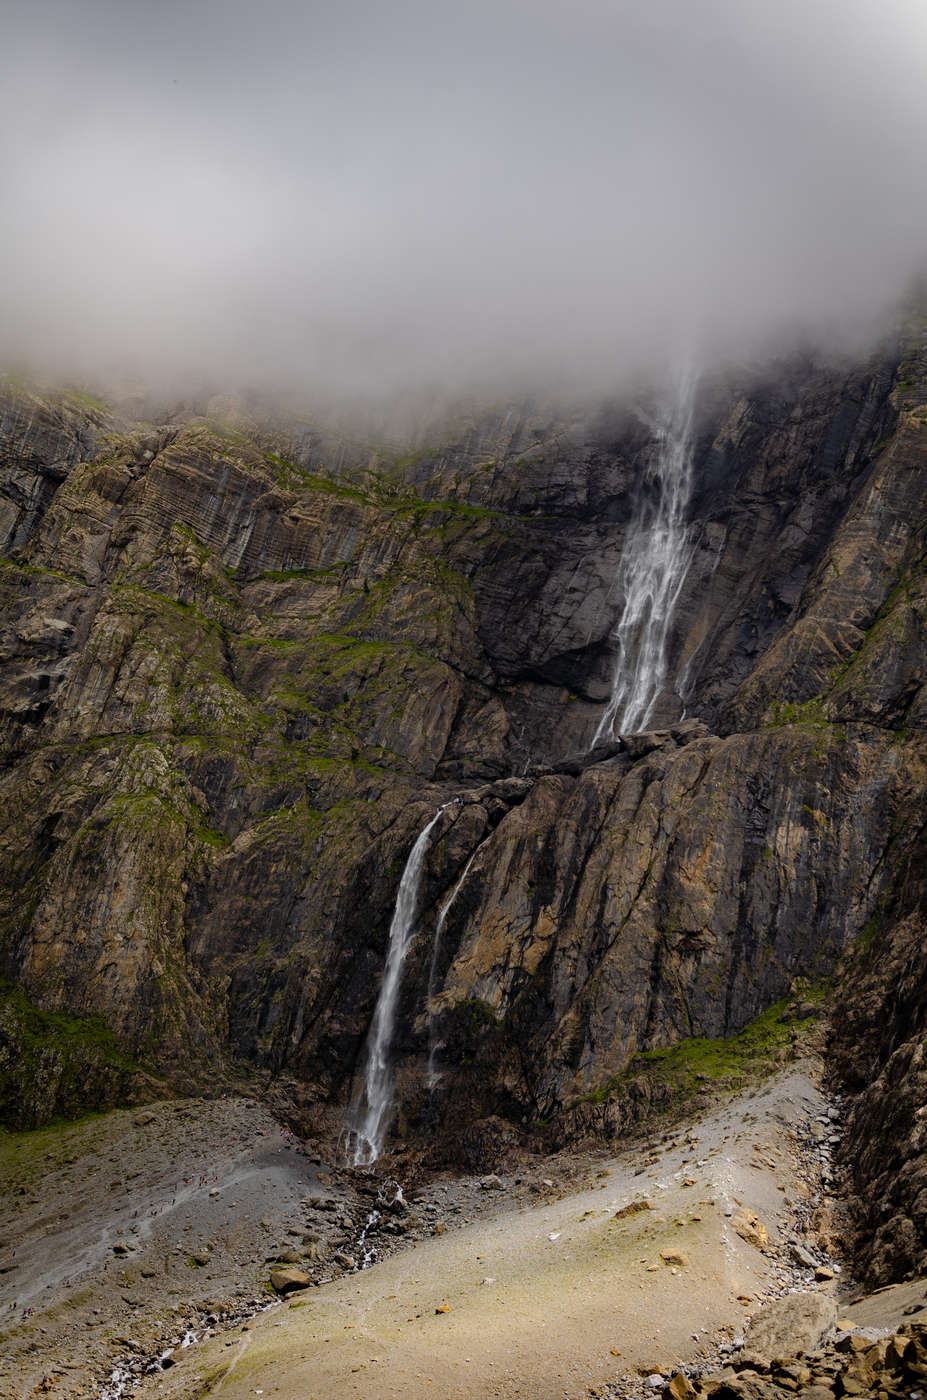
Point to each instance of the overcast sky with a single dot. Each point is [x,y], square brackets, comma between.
[379,194]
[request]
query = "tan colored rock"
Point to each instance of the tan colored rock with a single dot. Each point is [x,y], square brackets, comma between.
[634,1208]
[680,1388]
[850,1342]
[900,1349]
[861,1373]
[675,1256]
[748,1226]
[783,1327]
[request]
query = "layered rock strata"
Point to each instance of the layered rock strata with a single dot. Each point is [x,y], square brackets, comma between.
[245,662]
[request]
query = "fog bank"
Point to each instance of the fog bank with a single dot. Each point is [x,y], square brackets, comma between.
[375,197]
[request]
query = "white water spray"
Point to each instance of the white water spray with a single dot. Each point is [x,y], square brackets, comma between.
[365,1139]
[653,567]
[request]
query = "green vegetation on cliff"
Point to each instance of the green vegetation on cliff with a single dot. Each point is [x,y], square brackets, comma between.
[56,1065]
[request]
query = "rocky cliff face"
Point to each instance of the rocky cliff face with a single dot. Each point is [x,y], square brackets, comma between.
[245,661]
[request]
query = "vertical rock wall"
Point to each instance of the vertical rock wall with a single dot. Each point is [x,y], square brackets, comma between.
[244,662]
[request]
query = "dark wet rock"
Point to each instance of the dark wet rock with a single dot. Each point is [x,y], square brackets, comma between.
[639,745]
[511,790]
[577,763]
[289,1280]
[688,730]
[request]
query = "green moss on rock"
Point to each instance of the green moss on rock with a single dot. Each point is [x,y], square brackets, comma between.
[54,1065]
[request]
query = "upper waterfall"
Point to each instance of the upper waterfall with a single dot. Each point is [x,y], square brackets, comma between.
[653,567]
[365,1137]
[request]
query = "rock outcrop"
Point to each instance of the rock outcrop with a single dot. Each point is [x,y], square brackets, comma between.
[245,662]
[851,1365]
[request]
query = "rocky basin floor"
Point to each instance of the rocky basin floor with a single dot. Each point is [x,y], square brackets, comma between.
[198,1248]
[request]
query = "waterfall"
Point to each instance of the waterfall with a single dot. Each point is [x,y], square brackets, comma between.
[433,1046]
[653,567]
[368,1135]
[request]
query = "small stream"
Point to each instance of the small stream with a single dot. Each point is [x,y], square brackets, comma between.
[126,1374]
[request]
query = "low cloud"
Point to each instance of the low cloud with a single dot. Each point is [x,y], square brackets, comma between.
[376,197]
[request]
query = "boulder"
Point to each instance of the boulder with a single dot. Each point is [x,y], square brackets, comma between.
[609,749]
[511,790]
[634,1208]
[639,745]
[786,1327]
[688,730]
[576,763]
[289,1280]
[749,1227]
[680,1388]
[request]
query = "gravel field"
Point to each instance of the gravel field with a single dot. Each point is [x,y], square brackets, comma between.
[141,1247]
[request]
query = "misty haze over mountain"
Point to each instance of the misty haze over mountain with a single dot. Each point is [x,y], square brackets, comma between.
[373,197]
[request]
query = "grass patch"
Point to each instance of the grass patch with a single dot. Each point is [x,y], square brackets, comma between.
[699,1063]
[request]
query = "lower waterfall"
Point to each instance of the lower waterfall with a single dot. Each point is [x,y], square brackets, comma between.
[365,1137]
[653,567]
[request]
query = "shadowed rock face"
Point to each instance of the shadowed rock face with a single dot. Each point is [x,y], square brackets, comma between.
[245,661]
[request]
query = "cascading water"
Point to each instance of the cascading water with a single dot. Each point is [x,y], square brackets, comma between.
[653,567]
[433,1046]
[365,1138]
